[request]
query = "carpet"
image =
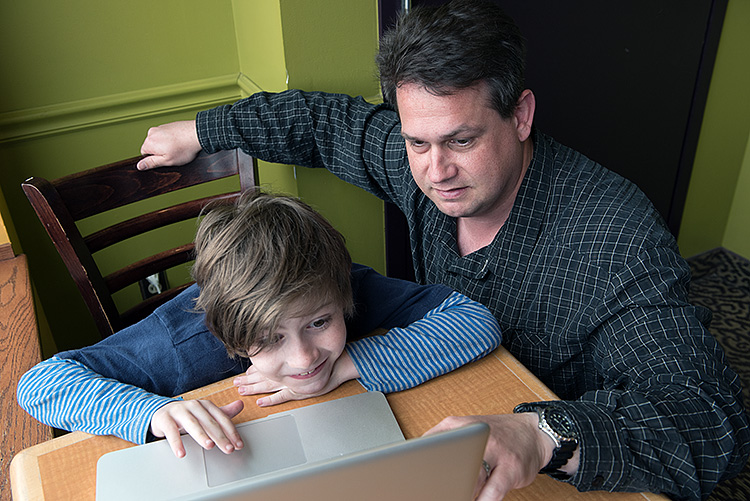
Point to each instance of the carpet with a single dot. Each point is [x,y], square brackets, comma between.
[721,283]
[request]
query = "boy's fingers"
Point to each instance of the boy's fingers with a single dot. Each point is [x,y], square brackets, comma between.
[211,426]
[174,440]
[285,395]
[232,409]
[221,429]
[247,386]
[197,429]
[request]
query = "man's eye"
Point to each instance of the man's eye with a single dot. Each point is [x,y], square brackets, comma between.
[418,145]
[462,142]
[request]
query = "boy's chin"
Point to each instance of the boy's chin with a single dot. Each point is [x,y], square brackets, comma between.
[309,388]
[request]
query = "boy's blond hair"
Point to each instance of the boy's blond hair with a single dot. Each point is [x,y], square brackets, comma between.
[262,260]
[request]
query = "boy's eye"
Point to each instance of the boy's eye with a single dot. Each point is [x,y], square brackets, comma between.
[266,344]
[320,323]
[273,340]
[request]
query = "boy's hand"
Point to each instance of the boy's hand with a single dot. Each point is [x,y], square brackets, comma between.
[253,383]
[208,424]
[174,143]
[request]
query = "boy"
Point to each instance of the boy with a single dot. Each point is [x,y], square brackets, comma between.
[276,297]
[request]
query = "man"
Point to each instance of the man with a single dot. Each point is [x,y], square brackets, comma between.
[584,278]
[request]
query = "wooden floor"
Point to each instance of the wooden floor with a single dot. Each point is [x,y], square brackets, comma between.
[19,351]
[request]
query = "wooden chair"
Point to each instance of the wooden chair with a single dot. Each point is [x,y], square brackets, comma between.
[60,203]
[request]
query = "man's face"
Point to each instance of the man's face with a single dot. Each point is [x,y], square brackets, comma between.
[463,155]
[304,350]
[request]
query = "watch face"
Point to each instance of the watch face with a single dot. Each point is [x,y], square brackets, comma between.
[559,422]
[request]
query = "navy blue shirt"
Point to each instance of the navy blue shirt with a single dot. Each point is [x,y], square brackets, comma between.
[584,278]
[185,355]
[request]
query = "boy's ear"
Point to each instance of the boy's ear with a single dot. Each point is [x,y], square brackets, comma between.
[524,114]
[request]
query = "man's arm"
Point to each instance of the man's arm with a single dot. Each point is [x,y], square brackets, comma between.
[175,143]
[355,140]
[667,416]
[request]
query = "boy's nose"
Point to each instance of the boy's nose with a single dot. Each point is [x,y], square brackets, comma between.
[303,356]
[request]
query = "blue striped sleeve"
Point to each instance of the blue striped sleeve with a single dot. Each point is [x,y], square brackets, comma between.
[66,394]
[454,333]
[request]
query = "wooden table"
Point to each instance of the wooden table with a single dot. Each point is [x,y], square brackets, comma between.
[19,351]
[65,468]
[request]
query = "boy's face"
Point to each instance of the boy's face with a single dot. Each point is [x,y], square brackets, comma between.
[304,350]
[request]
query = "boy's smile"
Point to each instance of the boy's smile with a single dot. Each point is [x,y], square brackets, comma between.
[310,374]
[304,350]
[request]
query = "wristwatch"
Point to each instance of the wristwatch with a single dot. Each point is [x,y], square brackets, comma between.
[555,422]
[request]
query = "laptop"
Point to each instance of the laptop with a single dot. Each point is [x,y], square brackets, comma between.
[349,448]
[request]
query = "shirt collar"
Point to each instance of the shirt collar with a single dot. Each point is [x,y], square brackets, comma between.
[519,234]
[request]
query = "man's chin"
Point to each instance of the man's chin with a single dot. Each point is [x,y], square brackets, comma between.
[451,208]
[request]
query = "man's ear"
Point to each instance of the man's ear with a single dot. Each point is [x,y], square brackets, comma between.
[524,114]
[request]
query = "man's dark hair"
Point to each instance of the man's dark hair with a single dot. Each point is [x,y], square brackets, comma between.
[455,46]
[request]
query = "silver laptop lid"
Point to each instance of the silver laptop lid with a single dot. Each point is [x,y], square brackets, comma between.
[440,467]
[280,441]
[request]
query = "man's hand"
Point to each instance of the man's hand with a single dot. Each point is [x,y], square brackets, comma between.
[174,143]
[208,424]
[253,383]
[516,451]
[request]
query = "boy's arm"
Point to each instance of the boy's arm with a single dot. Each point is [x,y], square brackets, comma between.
[66,394]
[454,333]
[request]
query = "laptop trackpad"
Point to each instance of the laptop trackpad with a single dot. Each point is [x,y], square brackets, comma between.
[264,451]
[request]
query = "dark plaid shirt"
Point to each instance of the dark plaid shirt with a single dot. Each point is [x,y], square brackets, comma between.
[585,279]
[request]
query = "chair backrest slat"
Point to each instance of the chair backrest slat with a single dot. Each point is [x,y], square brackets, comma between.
[114,185]
[152,265]
[60,203]
[153,220]
[142,309]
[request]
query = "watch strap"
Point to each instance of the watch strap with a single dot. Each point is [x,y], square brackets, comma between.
[560,456]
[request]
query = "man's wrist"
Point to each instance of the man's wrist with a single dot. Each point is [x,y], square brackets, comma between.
[560,437]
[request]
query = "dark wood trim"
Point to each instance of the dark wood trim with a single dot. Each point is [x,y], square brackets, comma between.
[6,252]
[695,119]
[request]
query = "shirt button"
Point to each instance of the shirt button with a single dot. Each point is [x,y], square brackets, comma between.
[597,482]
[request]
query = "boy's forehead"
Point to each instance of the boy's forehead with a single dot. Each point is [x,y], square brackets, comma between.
[307,306]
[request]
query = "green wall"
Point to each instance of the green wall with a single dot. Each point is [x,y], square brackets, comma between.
[717,209]
[317,60]
[313,65]
[83,81]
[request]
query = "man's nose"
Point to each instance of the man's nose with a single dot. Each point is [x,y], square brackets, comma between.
[441,167]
